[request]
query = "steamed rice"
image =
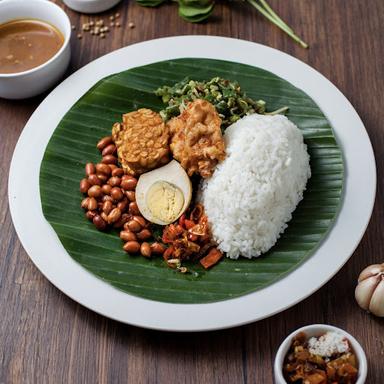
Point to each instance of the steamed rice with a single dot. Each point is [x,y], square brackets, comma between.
[253,192]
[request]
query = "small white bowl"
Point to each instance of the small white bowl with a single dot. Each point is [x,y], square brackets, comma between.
[318,330]
[36,80]
[91,6]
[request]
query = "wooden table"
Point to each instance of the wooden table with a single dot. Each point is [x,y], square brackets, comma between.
[45,337]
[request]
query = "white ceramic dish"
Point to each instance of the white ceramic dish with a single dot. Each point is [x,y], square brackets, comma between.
[318,330]
[46,251]
[36,80]
[91,6]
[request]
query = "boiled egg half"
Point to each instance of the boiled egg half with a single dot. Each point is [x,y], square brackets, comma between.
[164,194]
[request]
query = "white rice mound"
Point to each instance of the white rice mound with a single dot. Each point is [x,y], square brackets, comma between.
[251,195]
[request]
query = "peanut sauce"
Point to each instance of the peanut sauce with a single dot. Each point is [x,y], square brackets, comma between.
[26,44]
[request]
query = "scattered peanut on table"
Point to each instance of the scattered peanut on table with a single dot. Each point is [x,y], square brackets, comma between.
[98,27]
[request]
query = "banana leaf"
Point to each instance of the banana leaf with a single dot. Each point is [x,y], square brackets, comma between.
[73,145]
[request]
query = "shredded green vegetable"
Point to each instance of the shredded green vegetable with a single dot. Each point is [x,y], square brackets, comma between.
[229,100]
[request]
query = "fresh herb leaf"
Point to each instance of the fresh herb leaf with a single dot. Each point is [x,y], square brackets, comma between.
[194,13]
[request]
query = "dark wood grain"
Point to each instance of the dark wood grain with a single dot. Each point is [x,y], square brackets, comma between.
[45,337]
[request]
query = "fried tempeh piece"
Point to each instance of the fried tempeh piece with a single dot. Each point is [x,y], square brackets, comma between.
[197,142]
[141,141]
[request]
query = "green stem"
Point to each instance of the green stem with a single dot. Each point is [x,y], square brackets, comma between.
[283,26]
[275,15]
[279,111]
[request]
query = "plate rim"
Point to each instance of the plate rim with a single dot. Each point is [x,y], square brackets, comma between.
[110,301]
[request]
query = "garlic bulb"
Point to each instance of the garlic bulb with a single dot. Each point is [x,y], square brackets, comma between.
[369,292]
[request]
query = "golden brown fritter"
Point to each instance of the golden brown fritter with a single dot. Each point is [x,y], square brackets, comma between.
[197,142]
[141,141]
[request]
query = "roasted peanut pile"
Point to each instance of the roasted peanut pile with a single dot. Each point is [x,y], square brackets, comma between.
[111,202]
[301,366]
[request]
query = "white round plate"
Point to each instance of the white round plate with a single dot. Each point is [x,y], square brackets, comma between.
[43,246]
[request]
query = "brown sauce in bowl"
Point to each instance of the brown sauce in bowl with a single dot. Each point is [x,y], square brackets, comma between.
[26,44]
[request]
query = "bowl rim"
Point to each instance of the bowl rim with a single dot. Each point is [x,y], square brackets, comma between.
[67,36]
[356,346]
[91,6]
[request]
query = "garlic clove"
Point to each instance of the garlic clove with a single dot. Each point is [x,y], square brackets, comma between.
[365,290]
[371,270]
[376,305]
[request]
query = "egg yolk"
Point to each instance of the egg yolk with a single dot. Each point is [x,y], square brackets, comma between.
[165,201]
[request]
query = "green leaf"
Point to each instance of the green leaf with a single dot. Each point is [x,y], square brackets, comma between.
[73,144]
[193,11]
[195,19]
[150,3]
